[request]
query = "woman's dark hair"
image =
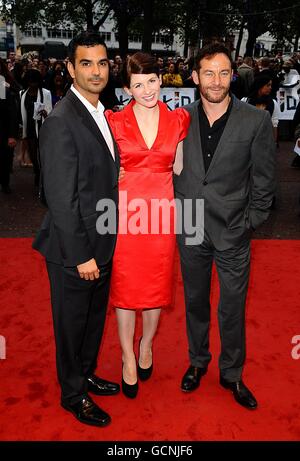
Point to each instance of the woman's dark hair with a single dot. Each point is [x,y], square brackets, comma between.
[139,63]
[254,98]
[258,83]
[179,61]
[87,39]
[209,51]
[33,76]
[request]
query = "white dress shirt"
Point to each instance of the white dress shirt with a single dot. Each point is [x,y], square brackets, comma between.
[99,117]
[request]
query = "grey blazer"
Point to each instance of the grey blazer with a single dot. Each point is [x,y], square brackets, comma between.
[239,185]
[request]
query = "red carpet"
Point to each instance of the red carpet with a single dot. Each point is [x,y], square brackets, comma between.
[29,394]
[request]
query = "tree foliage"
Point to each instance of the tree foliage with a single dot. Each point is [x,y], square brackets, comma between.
[81,13]
[285,25]
[193,20]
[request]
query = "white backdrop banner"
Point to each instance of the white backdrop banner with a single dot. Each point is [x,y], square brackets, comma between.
[288,99]
[173,97]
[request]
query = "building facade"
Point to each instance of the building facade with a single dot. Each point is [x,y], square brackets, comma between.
[34,39]
[57,39]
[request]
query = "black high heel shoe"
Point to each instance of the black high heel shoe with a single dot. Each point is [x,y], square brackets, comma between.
[144,373]
[130,390]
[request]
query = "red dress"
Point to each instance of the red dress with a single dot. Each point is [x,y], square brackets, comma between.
[143,260]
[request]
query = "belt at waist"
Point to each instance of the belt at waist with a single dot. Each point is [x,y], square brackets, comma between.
[151,170]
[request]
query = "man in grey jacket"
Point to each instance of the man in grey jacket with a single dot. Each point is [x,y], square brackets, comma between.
[246,74]
[229,162]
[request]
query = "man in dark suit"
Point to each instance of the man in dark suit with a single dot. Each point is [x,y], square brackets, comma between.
[9,127]
[228,161]
[80,167]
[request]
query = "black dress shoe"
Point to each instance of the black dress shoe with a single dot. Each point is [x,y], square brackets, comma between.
[191,378]
[130,390]
[144,373]
[241,393]
[100,386]
[87,412]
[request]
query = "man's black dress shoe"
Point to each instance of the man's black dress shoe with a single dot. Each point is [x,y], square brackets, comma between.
[241,393]
[191,378]
[144,373]
[100,386]
[87,412]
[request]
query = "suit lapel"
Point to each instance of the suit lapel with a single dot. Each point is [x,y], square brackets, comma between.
[229,128]
[197,160]
[116,150]
[91,125]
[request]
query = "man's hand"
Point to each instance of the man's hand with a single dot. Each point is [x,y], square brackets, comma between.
[12,142]
[121,173]
[89,270]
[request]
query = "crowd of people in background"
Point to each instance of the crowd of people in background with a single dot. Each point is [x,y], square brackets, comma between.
[32,83]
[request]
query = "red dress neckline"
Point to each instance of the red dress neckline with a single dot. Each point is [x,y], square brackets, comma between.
[132,118]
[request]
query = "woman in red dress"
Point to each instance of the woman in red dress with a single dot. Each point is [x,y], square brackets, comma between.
[148,135]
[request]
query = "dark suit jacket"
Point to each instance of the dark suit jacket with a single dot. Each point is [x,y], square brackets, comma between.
[78,171]
[9,123]
[239,185]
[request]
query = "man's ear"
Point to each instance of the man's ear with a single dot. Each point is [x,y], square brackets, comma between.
[127,90]
[160,79]
[71,69]
[195,77]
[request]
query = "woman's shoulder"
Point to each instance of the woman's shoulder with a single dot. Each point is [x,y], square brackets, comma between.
[180,118]
[115,117]
[182,115]
[178,113]
[110,115]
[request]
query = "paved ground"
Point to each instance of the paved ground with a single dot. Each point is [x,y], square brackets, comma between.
[21,213]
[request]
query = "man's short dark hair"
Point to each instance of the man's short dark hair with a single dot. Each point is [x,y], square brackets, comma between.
[84,39]
[209,51]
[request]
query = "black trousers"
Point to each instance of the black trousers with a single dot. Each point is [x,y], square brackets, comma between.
[32,144]
[233,271]
[79,311]
[6,162]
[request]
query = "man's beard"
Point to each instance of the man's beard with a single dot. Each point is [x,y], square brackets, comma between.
[211,98]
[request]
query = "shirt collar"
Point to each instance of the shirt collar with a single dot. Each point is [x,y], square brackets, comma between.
[92,109]
[224,116]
